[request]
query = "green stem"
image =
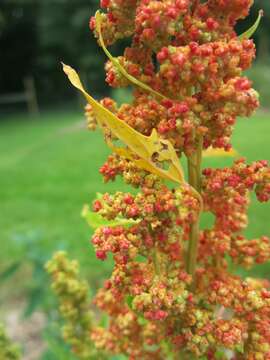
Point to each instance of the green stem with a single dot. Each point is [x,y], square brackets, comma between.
[194,179]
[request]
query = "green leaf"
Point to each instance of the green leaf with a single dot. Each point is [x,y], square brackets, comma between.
[142,321]
[11,270]
[104,321]
[247,34]
[240,348]
[35,300]
[129,301]
[95,220]
[220,355]
[99,195]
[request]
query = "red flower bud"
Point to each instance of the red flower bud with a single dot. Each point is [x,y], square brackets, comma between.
[163,54]
[211,24]
[97,206]
[148,34]
[128,199]
[104,3]
[107,231]
[101,255]
[172,13]
[92,23]
[178,59]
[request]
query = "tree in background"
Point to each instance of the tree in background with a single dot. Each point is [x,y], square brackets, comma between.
[36,36]
[63,34]
[18,43]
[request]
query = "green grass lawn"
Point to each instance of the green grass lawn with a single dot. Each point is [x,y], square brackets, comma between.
[49,169]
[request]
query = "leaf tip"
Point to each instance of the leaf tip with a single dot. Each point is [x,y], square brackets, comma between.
[97,14]
[66,68]
[250,32]
[73,77]
[98,21]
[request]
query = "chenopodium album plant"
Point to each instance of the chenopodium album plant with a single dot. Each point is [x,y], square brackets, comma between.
[172,294]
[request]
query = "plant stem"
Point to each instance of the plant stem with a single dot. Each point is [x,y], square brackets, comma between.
[194,179]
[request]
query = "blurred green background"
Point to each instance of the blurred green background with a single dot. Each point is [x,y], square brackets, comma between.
[49,163]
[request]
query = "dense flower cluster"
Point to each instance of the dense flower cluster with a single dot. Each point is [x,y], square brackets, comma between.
[8,351]
[225,192]
[72,293]
[149,278]
[173,292]
[189,52]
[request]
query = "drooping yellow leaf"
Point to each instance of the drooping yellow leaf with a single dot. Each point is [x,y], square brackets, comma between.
[120,68]
[149,152]
[143,164]
[211,152]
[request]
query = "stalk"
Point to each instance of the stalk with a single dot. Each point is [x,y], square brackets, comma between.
[194,179]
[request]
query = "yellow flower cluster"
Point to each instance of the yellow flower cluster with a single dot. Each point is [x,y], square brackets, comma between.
[72,293]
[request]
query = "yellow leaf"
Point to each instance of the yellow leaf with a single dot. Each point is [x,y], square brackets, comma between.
[117,64]
[149,152]
[211,152]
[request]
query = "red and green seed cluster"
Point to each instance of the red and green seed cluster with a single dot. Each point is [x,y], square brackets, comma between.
[210,91]
[149,278]
[225,192]
[187,51]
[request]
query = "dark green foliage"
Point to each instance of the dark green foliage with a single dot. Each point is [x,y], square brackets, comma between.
[36,35]
[64,35]
[18,43]
[263,33]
